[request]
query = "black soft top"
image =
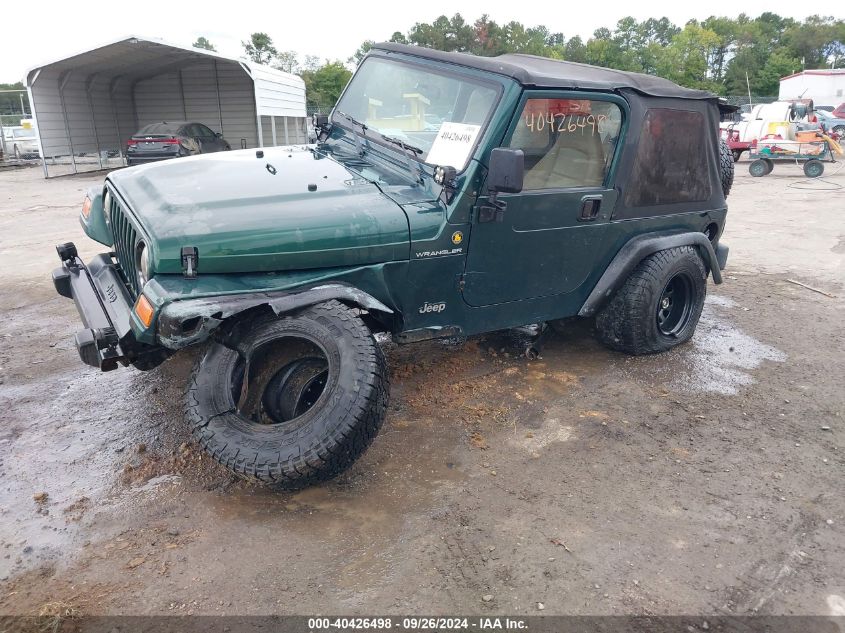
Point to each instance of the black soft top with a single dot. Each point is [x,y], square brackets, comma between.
[541,72]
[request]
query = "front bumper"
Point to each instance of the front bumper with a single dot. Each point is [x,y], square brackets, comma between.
[104,305]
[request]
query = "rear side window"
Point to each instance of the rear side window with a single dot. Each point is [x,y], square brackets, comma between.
[672,160]
[567,142]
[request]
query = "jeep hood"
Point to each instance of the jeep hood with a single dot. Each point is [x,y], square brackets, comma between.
[291,209]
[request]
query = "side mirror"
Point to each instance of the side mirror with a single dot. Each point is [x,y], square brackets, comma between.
[218,134]
[507,170]
[321,126]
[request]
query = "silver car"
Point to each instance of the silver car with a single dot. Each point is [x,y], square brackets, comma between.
[831,122]
[20,142]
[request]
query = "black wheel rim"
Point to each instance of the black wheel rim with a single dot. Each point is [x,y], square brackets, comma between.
[813,170]
[294,390]
[674,306]
[289,377]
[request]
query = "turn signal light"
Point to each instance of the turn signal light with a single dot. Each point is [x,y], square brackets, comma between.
[86,207]
[144,310]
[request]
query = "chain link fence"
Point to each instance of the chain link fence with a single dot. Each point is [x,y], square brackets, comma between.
[18,142]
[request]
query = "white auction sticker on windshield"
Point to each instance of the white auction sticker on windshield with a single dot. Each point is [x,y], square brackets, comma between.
[453,145]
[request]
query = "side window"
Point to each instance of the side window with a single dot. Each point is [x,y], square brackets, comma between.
[204,131]
[672,160]
[567,142]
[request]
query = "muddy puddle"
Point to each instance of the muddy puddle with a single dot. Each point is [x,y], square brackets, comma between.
[720,359]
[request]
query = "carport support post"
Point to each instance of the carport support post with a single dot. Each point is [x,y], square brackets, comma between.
[260,132]
[285,121]
[88,83]
[273,129]
[182,92]
[219,105]
[62,82]
[112,85]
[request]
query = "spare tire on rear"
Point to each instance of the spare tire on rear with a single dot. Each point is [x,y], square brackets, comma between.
[726,167]
[297,401]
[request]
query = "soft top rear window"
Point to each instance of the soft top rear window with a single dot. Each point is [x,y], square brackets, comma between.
[672,160]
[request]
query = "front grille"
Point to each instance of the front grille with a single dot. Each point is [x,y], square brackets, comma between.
[125,238]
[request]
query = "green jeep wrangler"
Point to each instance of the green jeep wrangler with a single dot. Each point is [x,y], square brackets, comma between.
[448,195]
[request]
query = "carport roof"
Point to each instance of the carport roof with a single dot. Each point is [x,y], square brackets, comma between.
[135,57]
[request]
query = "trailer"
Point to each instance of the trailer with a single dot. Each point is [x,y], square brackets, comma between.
[812,153]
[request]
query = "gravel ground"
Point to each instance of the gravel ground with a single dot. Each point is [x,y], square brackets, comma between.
[703,481]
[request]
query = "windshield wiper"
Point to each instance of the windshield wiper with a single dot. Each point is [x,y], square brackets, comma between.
[358,145]
[403,144]
[413,166]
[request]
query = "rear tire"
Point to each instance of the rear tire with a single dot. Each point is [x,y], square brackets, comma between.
[317,397]
[726,167]
[659,305]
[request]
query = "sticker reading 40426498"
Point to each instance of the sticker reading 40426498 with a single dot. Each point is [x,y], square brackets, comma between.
[559,122]
[453,144]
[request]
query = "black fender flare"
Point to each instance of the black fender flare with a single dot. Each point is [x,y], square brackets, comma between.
[185,322]
[640,247]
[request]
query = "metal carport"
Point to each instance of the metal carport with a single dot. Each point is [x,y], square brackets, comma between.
[86,106]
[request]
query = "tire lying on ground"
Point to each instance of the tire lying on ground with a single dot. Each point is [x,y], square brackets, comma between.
[301,398]
[659,305]
[726,167]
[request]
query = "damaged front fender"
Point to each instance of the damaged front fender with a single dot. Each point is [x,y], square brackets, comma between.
[190,321]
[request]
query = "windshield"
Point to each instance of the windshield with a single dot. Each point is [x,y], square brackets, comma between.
[23,133]
[438,113]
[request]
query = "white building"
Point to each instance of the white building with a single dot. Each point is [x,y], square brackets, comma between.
[87,105]
[824,87]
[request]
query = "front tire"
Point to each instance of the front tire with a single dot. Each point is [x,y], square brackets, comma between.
[659,305]
[315,397]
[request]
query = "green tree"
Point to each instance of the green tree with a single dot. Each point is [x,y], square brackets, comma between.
[686,58]
[575,50]
[260,48]
[714,54]
[10,102]
[324,85]
[202,42]
[361,53]
[287,61]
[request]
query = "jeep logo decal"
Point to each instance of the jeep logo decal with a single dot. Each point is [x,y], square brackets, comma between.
[111,293]
[432,307]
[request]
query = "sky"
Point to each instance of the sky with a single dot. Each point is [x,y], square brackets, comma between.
[327,29]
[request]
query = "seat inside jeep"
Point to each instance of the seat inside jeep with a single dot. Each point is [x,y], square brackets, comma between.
[574,160]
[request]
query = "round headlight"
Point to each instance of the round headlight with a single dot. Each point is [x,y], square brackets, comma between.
[106,206]
[142,263]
